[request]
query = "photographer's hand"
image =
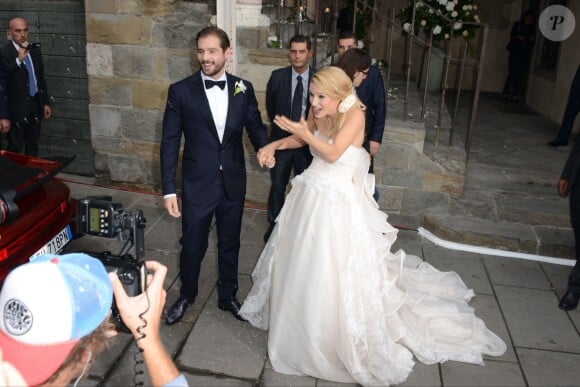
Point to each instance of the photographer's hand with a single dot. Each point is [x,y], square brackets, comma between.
[172,207]
[148,306]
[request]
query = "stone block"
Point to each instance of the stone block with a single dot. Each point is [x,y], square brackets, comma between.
[230,347]
[142,124]
[118,29]
[393,156]
[534,320]
[390,198]
[452,184]
[480,232]
[104,145]
[547,368]
[149,94]
[252,37]
[516,273]
[134,62]
[532,210]
[258,186]
[101,60]
[420,162]
[405,221]
[555,241]
[474,204]
[406,132]
[174,65]
[418,202]
[214,381]
[261,98]
[126,169]
[271,378]
[269,57]
[494,373]
[110,91]
[105,120]
[175,36]
[422,376]
[102,6]
[401,178]
[258,75]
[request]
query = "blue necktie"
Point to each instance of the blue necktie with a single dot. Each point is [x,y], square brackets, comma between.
[31,81]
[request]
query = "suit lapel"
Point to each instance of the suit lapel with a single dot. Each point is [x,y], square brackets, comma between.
[231,84]
[200,100]
[287,85]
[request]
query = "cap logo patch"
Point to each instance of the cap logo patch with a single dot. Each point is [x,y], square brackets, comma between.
[17,317]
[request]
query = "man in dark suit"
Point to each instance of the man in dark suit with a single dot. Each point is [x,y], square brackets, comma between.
[569,184]
[287,95]
[4,113]
[372,93]
[210,109]
[26,89]
[570,113]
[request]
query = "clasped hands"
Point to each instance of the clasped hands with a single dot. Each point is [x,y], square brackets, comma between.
[266,154]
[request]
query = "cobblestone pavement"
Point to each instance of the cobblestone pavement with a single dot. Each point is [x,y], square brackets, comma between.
[517,300]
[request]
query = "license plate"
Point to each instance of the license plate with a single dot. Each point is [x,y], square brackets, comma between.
[55,245]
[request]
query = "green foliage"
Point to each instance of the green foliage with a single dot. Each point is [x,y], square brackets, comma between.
[364,18]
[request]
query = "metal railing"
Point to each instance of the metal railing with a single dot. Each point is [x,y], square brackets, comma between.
[462,63]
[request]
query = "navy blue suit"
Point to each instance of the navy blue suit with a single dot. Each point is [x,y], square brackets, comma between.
[372,93]
[26,112]
[213,174]
[279,101]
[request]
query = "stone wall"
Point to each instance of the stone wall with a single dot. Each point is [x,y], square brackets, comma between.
[135,50]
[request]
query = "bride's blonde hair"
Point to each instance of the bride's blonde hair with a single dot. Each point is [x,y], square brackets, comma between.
[335,84]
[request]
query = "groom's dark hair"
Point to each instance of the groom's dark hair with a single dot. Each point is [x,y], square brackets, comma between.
[217,32]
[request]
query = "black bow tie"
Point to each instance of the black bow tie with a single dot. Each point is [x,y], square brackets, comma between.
[209,84]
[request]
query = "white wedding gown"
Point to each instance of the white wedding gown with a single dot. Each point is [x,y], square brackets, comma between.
[338,304]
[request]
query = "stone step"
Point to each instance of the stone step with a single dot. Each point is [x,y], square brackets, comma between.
[534,239]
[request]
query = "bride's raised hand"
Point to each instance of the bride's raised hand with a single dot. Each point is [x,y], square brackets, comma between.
[299,128]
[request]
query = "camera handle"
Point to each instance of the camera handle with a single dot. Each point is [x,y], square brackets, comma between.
[136,237]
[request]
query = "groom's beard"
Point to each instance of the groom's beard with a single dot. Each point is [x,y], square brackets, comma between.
[216,69]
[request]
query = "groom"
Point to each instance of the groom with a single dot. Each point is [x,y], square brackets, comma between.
[210,109]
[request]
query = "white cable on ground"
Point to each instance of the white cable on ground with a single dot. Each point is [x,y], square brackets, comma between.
[489,251]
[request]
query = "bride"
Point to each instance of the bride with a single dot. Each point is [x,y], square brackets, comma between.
[338,304]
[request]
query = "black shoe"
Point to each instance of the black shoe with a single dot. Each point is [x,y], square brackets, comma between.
[233,306]
[557,143]
[268,233]
[569,301]
[177,311]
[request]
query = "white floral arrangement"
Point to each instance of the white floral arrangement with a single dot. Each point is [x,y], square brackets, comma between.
[239,87]
[273,42]
[433,17]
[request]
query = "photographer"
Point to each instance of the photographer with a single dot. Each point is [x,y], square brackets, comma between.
[51,334]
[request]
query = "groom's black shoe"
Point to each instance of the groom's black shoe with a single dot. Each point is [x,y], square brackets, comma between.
[233,306]
[177,311]
[569,301]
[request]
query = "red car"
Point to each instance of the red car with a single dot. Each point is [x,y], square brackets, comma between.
[36,210]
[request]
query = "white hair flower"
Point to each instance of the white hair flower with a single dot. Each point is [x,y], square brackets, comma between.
[347,103]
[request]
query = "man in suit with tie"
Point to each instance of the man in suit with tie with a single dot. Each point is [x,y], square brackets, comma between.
[210,109]
[26,89]
[287,95]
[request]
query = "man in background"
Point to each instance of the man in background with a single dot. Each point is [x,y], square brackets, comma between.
[4,113]
[28,99]
[287,95]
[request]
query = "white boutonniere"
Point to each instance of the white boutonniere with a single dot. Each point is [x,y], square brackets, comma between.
[239,87]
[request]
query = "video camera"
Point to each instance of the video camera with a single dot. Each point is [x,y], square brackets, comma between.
[100,216]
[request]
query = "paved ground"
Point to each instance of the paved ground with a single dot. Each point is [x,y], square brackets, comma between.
[517,300]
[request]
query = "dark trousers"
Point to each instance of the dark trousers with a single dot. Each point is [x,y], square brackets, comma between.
[196,223]
[24,134]
[517,74]
[572,109]
[299,159]
[574,279]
